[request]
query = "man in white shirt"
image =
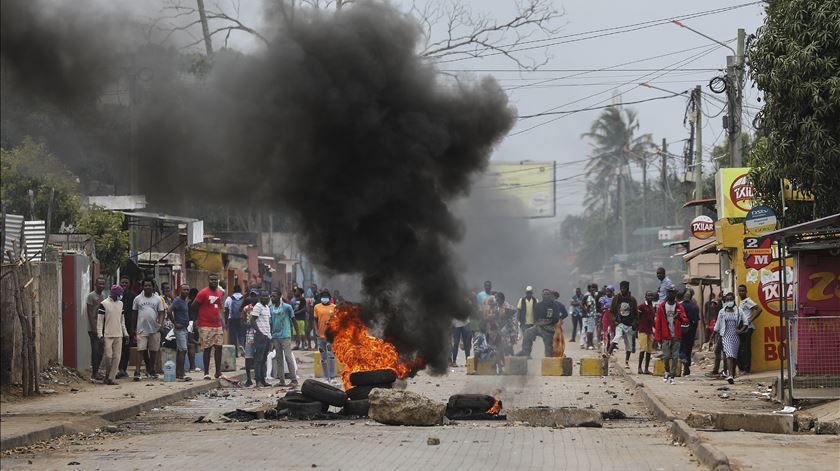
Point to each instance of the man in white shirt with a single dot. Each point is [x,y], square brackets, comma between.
[260,317]
[148,317]
[749,311]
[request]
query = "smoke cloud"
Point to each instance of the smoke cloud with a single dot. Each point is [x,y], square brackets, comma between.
[337,121]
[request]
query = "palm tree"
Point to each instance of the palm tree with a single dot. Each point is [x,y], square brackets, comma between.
[615,146]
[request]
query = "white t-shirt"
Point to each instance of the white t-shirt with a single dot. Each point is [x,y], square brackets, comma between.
[745,308]
[147,311]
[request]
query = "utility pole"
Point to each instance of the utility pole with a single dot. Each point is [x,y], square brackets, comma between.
[622,202]
[664,168]
[205,28]
[735,74]
[698,149]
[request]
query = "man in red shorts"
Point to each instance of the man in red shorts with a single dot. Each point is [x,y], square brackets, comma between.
[208,302]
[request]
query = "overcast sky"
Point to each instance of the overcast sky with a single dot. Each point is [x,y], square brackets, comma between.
[558,139]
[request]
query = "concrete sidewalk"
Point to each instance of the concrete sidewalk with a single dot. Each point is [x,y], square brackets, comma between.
[94,405]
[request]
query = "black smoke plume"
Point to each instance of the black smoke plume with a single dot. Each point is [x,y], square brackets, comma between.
[340,123]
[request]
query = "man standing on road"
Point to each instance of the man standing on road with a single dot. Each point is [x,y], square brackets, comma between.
[547,313]
[208,303]
[670,317]
[94,298]
[299,308]
[128,304]
[577,313]
[525,308]
[481,298]
[233,318]
[692,312]
[664,283]
[179,314]
[625,316]
[260,319]
[323,312]
[110,330]
[148,317]
[647,317]
[590,316]
[749,311]
[282,318]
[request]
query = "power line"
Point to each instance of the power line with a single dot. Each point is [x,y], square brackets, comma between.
[607,69]
[598,33]
[550,113]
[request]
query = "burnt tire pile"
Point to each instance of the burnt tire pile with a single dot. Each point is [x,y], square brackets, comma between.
[363,383]
[314,399]
[465,406]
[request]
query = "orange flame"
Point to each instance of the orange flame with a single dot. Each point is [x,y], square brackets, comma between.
[357,350]
[497,407]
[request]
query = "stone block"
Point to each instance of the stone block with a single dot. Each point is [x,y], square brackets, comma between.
[481,367]
[396,407]
[828,427]
[593,366]
[754,422]
[557,417]
[557,366]
[516,365]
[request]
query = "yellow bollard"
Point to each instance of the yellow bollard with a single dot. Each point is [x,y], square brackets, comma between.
[516,365]
[593,366]
[481,367]
[557,366]
[316,367]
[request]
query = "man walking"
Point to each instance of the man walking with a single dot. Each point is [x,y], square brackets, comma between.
[590,316]
[665,283]
[323,312]
[547,313]
[670,317]
[577,313]
[179,314]
[525,308]
[749,311]
[282,318]
[647,316]
[110,330]
[260,319]
[94,298]
[128,304]
[208,304]
[233,318]
[148,317]
[689,334]
[624,311]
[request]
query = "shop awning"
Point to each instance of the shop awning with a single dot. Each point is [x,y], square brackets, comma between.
[705,248]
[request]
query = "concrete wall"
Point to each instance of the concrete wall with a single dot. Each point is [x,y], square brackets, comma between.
[46,285]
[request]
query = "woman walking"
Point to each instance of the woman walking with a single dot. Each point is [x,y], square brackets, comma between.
[728,326]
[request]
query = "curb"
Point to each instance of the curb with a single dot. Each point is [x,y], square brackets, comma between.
[96,421]
[705,452]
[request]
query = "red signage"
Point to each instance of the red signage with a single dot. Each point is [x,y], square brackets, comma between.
[770,289]
[741,192]
[817,309]
[758,252]
[702,227]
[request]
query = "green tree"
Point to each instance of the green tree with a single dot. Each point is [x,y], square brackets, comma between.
[795,63]
[615,146]
[30,166]
[110,238]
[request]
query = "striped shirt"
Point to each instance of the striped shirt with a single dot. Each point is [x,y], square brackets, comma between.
[263,315]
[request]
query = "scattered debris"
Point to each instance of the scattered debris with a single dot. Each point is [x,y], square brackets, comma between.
[554,417]
[433,441]
[613,414]
[213,418]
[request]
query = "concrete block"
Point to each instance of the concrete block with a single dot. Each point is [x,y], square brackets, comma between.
[516,365]
[700,420]
[593,366]
[228,358]
[828,427]
[557,417]
[803,421]
[481,367]
[557,366]
[754,422]
[318,371]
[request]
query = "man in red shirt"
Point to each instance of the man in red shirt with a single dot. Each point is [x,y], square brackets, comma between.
[208,302]
[670,317]
[644,328]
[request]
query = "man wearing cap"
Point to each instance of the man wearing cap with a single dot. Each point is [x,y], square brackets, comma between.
[110,329]
[525,306]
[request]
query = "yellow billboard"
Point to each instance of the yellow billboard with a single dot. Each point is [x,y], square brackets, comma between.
[532,183]
[735,192]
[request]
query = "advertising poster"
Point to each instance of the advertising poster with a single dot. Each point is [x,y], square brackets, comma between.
[735,192]
[532,183]
[818,312]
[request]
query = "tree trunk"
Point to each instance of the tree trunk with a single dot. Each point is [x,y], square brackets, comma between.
[205,28]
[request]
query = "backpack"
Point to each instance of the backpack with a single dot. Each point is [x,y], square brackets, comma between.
[236,305]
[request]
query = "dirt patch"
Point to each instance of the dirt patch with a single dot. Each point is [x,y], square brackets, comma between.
[55,379]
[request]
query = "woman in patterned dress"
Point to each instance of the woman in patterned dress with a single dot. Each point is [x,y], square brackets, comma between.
[728,326]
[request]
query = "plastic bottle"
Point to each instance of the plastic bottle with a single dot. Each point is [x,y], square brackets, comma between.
[169,371]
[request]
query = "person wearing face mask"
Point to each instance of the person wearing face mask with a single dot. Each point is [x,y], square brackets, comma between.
[670,317]
[728,326]
[644,326]
[323,312]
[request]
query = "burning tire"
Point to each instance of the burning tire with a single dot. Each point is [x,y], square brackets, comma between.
[373,377]
[300,406]
[362,392]
[358,408]
[323,392]
[475,402]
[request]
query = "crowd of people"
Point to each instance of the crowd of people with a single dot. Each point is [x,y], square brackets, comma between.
[196,320]
[665,324]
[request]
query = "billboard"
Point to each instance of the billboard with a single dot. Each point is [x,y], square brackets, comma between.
[532,183]
[735,192]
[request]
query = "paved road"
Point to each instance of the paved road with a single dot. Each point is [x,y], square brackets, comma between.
[168,438]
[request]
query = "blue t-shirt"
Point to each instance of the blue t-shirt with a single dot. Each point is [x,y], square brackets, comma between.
[281,321]
[180,311]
